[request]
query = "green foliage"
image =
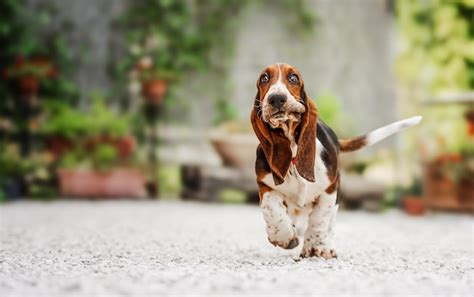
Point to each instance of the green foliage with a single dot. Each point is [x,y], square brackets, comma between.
[438,49]
[395,194]
[169,180]
[103,121]
[104,157]
[101,157]
[2,196]
[26,37]
[13,32]
[330,111]
[27,34]
[437,59]
[32,171]
[154,73]
[71,159]
[12,165]
[71,123]
[64,121]
[180,38]
[161,30]
[39,72]
[230,196]
[226,111]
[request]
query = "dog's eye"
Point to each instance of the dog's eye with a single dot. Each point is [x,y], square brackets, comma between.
[293,78]
[264,78]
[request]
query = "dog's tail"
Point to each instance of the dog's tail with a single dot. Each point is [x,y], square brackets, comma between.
[356,143]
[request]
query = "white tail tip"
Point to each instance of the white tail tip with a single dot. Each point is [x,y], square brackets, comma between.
[414,120]
[384,132]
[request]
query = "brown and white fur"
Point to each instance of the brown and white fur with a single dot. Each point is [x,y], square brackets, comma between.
[297,162]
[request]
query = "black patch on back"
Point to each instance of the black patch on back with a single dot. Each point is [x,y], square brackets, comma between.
[326,135]
[330,153]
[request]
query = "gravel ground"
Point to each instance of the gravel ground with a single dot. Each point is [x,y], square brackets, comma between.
[133,248]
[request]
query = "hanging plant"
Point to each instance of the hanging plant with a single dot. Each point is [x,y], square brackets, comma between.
[168,40]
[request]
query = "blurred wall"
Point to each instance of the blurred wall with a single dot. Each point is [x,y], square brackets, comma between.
[350,54]
[88,29]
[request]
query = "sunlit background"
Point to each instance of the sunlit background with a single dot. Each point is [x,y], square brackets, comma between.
[127,155]
[151,99]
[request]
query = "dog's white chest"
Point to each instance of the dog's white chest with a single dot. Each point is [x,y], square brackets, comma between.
[297,189]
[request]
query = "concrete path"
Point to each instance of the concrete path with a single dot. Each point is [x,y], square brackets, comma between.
[135,248]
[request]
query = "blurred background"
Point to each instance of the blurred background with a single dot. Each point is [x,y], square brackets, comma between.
[151,99]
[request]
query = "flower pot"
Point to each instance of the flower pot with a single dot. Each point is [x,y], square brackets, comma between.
[442,192]
[58,145]
[27,79]
[154,90]
[466,191]
[235,149]
[469,116]
[125,146]
[116,183]
[413,205]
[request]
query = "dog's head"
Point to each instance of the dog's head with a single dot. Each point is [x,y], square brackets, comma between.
[284,115]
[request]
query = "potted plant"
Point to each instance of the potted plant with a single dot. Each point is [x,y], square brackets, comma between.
[99,174]
[13,171]
[62,126]
[412,199]
[235,144]
[154,84]
[28,73]
[66,128]
[449,180]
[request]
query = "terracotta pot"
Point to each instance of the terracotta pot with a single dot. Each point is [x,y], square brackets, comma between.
[154,90]
[58,145]
[443,193]
[125,146]
[117,183]
[466,191]
[414,205]
[469,116]
[28,84]
[235,150]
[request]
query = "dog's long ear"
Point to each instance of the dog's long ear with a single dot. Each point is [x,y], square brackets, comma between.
[305,156]
[276,146]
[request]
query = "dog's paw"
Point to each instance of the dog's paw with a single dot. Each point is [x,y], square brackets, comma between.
[284,243]
[288,245]
[284,236]
[318,250]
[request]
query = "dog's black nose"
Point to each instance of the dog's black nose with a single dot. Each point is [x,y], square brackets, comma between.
[277,100]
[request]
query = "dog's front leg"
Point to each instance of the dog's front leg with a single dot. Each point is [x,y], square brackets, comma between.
[318,236]
[280,229]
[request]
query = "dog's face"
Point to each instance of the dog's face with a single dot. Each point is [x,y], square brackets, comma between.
[281,102]
[280,97]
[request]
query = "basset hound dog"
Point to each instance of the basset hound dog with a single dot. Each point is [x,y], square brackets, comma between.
[297,162]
